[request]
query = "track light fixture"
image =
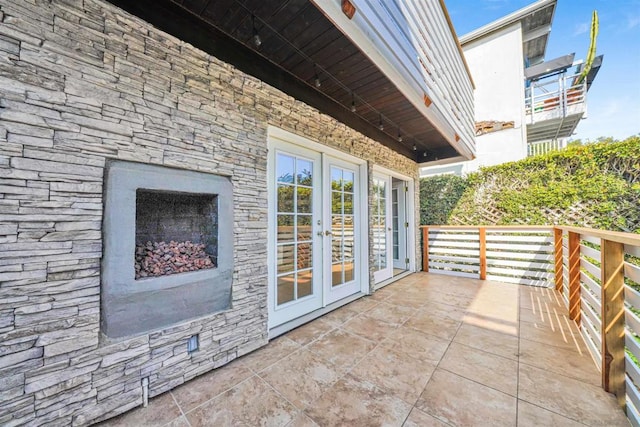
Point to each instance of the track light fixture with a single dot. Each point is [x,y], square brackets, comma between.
[415,147]
[257,41]
[399,135]
[353,103]
[316,79]
[380,125]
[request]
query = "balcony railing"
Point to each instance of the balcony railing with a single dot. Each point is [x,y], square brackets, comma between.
[596,272]
[553,97]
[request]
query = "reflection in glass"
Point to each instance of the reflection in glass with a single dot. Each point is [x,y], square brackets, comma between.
[336,250]
[285,198]
[305,283]
[336,202]
[336,274]
[305,258]
[378,223]
[336,179]
[304,172]
[304,200]
[285,228]
[286,288]
[348,271]
[286,259]
[304,227]
[284,168]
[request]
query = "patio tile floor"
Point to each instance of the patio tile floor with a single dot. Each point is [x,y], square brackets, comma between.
[428,350]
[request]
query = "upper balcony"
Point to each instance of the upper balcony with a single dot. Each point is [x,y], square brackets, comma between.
[556,97]
[392,70]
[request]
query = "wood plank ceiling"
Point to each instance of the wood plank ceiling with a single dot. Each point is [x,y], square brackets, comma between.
[299,45]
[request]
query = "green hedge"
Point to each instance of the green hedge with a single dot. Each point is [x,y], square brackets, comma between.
[595,185]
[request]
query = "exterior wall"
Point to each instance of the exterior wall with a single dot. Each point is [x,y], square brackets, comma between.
[82,82]
[497,66]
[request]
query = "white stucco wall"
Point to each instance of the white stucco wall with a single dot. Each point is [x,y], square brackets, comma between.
[497,67]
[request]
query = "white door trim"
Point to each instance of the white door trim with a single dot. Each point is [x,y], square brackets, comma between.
[280,138]
[411,212]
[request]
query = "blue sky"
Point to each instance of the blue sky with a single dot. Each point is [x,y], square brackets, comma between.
[614,97]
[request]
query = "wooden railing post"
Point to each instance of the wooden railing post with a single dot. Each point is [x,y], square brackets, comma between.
[425,249]
[574,277]
[482,235]
[613,321]
[557,246]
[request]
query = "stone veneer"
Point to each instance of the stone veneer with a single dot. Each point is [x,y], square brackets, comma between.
[82,82]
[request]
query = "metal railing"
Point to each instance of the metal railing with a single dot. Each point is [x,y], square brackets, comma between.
[544,147]
[596,272]
[554,96]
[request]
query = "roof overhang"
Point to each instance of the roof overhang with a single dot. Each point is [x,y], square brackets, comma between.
[300,45]
[536,20]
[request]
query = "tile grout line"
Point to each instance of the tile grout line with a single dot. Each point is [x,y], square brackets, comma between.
[431,377]
[180,408]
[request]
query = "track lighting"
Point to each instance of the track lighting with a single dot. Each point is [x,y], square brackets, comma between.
[380,125]
[353,103]
[257,41]
[399,135]
[316,79]
[415,147]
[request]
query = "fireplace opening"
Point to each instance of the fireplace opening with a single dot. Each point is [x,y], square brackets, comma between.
[175,233]
[185,220]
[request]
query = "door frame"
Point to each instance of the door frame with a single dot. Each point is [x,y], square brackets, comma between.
[411,212]
[387,272]
[399,188]
[276,136]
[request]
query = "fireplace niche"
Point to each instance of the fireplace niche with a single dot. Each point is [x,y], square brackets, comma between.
[168,247]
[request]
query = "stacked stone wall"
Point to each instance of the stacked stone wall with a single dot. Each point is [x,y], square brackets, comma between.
[82,82]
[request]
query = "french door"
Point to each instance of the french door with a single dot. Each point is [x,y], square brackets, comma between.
[399,225]
[382,228]
[314,221]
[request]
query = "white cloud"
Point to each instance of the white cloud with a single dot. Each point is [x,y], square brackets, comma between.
[580,28]
[633,21]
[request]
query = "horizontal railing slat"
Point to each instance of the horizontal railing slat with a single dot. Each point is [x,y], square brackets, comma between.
[632,297]
[446,251]
[591,284]
[632,369]
[590,298]
[520,255]
[632,344]
[632,272]
[633,322]
[593,316]
[591,346]
[520,272]
[518,239]
[452,244]
[525,264]
[632,393]
[519,247]
[590,239]
[519,280]
[590,252]
[466,267]
[632,250]
[446,258]
[591,268]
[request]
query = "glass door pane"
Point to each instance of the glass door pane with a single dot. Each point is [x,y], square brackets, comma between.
[379,223]
[294,245]
[342,226]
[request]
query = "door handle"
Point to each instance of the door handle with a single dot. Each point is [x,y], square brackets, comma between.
[328,233]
